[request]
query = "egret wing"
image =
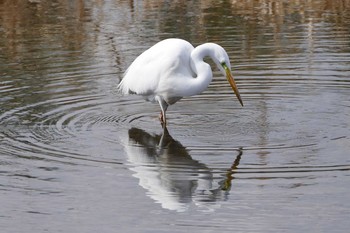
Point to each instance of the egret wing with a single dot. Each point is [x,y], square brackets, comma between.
[145,74]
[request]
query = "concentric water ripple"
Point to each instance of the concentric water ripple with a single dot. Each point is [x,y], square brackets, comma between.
[69,117]
[40,132]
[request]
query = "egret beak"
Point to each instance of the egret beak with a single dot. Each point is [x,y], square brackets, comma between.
[232,82]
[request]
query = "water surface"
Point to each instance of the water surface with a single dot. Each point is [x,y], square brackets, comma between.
[76,156]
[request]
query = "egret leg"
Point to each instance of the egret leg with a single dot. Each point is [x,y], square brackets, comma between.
[163,106]
[162,117]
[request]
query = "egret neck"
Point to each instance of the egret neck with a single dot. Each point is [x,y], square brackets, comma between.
[201,69]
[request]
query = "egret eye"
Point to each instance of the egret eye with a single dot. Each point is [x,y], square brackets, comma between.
[223,64]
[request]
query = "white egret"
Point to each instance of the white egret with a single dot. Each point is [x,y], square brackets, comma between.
[172,69]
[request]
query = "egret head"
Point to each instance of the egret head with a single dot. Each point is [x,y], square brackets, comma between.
[222,61]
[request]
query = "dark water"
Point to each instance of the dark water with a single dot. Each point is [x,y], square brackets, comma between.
[75,156]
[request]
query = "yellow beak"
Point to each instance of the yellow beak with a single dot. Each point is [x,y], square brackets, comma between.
[232,82]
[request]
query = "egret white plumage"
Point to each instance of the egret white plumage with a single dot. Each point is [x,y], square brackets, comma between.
[172,69]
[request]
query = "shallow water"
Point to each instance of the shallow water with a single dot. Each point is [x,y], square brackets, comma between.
[76,156]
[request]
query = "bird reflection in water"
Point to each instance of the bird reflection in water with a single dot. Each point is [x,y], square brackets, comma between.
[171,176]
